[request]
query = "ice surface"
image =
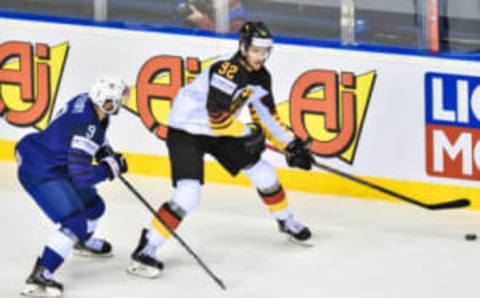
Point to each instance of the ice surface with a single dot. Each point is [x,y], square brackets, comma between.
[362,248]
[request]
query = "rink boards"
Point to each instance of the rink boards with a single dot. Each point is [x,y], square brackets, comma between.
[410,123]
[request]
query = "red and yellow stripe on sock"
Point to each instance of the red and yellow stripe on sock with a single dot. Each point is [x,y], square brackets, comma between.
[171,219]
[276,201]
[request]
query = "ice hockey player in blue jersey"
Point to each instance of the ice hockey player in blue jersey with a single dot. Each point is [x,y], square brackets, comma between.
[205,119]
[56,167]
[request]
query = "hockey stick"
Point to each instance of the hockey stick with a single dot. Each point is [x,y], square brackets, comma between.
[173,233]
[458,203]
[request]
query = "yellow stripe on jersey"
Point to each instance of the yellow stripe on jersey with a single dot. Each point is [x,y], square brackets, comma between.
[218,118]
[279,121]
[221,125]
[268,134]
[229,128]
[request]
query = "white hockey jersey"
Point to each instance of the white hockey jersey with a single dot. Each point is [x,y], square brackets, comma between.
[211,104]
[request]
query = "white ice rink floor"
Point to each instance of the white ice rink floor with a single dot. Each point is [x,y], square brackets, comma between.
[362,248]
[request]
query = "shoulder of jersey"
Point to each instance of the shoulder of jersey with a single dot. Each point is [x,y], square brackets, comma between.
[230,69]
[80,107]
[264,71]
[261,77]
[227,76]
[264,74]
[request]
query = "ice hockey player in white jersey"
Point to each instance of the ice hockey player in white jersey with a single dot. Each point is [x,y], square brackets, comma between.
[204,120]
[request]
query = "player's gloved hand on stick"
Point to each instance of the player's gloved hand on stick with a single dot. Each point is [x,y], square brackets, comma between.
[116,165]
[103,152]
[298,154]
[254,143]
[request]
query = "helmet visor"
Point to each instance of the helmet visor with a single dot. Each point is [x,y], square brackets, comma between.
[262,42]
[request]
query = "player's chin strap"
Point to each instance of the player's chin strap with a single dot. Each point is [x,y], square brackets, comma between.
[457,203]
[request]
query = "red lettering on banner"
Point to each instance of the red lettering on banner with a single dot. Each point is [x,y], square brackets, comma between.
[2,107]
[24,77]
[453,151]
[194,67]
[328,106]
[147,90]
[316,92]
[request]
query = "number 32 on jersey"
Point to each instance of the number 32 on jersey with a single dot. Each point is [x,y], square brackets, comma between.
[228,70]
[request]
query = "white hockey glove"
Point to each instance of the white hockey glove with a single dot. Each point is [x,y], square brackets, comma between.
[115,164]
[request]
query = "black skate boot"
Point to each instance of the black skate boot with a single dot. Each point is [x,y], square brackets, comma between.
[41,287]
[98,248]
[297,232]
[142,264]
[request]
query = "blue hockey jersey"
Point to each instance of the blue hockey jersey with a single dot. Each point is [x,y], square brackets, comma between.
[65,149]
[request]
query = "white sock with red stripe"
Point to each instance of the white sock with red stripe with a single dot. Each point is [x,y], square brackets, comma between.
[263,176]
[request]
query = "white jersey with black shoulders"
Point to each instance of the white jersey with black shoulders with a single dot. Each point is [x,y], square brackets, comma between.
[211,104]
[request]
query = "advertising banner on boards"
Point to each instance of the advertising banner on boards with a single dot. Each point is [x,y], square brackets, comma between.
[386,116]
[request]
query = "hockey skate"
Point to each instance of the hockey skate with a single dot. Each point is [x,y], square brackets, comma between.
[39,286]
[296,231]
[98,248]
[142,264]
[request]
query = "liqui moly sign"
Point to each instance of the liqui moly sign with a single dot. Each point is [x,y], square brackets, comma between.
[452,125]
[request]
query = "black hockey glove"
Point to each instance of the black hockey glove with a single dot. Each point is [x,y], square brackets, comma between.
[115,164]
[103,152]
[254,143]
[298,154]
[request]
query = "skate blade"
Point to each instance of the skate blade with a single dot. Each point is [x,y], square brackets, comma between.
[138,269]
[88,254]
[305,243]
[41,292]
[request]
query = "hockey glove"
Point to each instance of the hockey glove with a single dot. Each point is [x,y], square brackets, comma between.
[254,143]
[104,152]
[115,164]
[298,154]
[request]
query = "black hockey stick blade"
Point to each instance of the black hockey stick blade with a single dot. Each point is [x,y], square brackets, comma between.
[460,203]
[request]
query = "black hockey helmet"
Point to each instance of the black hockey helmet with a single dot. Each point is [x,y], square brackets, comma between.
[255,33]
